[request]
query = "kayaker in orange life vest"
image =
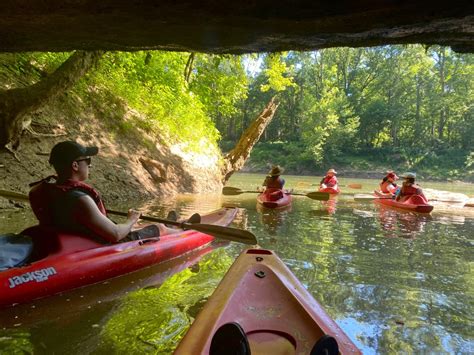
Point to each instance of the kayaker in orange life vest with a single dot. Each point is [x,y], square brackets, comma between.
[388,184]
[273,179]
[67,203]
[330,180]
[409,188]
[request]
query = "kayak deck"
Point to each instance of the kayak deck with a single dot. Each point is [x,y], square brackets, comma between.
[330,190]
[265,199]
[413,203]
[79,261]
[277,314]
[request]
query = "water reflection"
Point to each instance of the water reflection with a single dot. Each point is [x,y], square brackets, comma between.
[398,223]
[273,219]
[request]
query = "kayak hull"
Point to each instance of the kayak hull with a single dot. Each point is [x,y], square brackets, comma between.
[79,261]
[330,190]
[265,199]
[273,308]
[413,203]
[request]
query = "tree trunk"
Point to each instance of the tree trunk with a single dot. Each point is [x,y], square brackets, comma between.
[235,159]
[15,104]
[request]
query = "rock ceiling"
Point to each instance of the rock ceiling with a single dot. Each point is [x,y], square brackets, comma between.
[220,26]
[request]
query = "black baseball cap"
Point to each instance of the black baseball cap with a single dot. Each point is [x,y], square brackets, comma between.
[66,152]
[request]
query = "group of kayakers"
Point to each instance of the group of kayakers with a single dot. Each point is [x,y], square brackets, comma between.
[66,201]
[273,180]
[409,188]
[329,183]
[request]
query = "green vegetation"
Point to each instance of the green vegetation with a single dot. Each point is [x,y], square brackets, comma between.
[363,109]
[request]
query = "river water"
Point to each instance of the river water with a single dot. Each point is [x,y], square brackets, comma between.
[395,282]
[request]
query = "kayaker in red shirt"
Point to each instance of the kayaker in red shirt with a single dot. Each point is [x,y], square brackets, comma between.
[409,188]
[388,184]
[67,203]
[330,180]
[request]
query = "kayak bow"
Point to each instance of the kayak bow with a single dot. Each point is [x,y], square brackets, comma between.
[277,314]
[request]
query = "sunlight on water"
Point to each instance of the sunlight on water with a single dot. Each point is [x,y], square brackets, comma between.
[396,282]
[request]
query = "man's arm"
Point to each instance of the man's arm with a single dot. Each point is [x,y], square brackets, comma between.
[87,213]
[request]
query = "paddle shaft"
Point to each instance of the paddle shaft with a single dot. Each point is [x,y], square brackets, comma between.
[316,195]
[222,232]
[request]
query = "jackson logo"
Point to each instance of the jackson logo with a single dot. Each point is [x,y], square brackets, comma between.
[37,275]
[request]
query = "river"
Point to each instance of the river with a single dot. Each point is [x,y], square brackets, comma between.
[395,282]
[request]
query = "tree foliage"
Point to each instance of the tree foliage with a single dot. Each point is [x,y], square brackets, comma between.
[400,105]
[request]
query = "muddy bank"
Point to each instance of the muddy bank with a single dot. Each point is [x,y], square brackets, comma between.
[132,163]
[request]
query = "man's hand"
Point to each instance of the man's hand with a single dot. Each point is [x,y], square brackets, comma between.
[133,216]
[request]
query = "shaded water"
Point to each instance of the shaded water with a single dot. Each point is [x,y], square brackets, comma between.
[394,281]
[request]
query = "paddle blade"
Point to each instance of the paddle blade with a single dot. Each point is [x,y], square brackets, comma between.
[316,195]
[354,186]
[364,197]
[230,191]
[228,233]
[367,197]
[14,195]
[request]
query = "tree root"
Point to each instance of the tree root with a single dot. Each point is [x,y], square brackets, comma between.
[37,134]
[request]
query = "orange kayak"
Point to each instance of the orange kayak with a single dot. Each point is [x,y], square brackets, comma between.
[414,203]
[275,314]
[274,198]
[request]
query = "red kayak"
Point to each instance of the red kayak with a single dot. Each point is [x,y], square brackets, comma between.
[78,261]
[263,306]
[331,190]
[274,198]
[415,203]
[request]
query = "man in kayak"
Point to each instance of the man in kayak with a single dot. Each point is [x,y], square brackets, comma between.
[274,183]
[330,180]
[409,188]
[388,185]
[67,203]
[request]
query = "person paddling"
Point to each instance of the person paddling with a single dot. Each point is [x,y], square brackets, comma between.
[330,180]
[273,184]
[409,188]
[388,185]
[66,202]
[274,180]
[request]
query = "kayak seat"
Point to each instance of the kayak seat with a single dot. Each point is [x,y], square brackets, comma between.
[150,231]
[49,241]
[274,194]
[326,345]
[229,339]
[15,250]
[417,200]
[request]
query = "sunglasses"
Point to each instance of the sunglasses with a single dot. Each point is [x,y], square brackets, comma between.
[87,160]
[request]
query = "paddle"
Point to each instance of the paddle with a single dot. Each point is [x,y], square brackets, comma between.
[367,197]
[351,186]
[228,233]
[316,195]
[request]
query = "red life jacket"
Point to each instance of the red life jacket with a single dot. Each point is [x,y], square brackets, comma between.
[46,194]
[274,194]
[329,181]
[384,186]
[410,190]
